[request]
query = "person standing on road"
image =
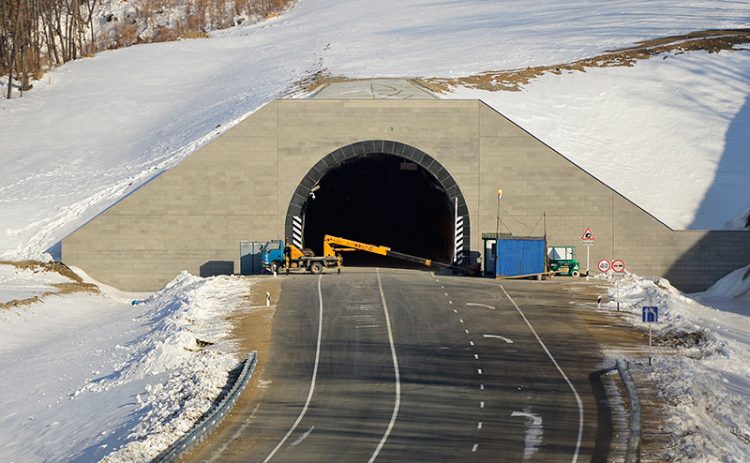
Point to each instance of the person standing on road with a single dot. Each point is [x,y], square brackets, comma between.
[338,263]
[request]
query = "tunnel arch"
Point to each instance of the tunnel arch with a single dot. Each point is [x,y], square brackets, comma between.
[294,224]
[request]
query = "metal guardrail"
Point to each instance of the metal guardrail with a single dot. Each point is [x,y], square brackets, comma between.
[633,452]
[212,420]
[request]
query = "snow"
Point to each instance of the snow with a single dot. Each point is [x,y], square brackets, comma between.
[88,375]
[670,133]
[700,366]
[24,283]
[85,375]
[94,130]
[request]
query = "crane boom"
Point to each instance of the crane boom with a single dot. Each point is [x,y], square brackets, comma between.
[333,244]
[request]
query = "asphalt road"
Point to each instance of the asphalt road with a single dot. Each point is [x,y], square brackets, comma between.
[407,366]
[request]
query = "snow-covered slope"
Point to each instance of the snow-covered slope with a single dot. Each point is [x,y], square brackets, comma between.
[87,375]
[95,129]
[671,133]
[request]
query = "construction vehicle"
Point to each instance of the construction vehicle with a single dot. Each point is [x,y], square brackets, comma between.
[562,260]
[277,257]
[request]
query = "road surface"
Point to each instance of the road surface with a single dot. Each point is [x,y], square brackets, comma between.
[403,365]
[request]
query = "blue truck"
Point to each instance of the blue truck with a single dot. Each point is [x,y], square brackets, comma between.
[274,258]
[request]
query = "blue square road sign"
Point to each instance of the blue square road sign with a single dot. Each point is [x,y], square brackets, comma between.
[650,314]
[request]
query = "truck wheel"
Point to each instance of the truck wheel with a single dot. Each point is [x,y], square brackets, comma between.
[316,267]
[274,267]
[575,274]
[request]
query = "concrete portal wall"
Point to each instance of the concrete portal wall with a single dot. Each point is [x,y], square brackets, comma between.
[536,180]
[239,187]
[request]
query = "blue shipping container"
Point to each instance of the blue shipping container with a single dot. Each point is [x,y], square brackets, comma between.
[520,256]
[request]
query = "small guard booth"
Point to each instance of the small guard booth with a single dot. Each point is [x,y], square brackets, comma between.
[514,256]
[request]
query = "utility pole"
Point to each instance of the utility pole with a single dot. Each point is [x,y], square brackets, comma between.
[497,226]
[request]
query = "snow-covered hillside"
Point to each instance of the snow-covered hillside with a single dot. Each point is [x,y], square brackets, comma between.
[89,375]
[95,129]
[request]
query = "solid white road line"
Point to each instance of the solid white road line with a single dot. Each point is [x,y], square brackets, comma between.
[312,381]
[497,336]
[395,370]
[575,393]
[475,304]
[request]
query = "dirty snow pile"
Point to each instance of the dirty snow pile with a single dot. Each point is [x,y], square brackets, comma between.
[88,376]
[95,129]
[701,365]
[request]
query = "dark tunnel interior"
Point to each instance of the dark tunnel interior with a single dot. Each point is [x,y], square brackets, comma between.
[383,200]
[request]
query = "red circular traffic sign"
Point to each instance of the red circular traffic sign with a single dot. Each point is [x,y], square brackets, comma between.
[618,266]
[603,265]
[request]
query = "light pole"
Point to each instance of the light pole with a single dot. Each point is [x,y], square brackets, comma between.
[497,226]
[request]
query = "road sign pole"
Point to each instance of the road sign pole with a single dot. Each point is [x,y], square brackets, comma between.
[617,288]
[649,344]
[587,263]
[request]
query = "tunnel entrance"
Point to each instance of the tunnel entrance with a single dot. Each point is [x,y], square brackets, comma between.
[385,200]
[382,193]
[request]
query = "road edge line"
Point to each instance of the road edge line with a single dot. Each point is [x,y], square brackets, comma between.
[578,398]
[397,374]
[312,381]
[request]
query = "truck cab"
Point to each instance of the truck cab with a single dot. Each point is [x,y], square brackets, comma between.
[272,255]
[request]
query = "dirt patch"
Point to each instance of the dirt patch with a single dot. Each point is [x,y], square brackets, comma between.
[712,41]
[76,285]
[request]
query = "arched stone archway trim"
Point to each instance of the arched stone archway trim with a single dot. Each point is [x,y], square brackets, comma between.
[351,151]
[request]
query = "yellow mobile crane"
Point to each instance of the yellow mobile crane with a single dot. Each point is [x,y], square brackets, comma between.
[292,258]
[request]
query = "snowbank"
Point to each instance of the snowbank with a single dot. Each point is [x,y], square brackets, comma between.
[700,370]
[733,287]
[101,377]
